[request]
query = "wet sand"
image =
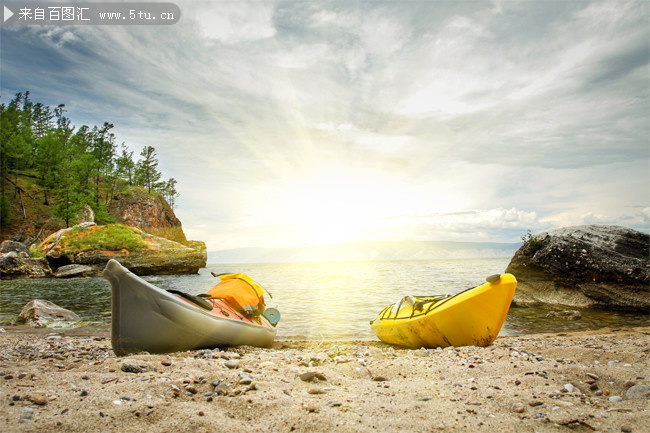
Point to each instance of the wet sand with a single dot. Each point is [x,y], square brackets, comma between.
[584,381]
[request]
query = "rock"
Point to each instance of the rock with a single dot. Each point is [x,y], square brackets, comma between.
[615,398]
[39,313]
[154,255]
[569,387]
[626,429]
[131,368]
[9,246]
[40,400]
[231,363]
[69,271]
[638,392]
[595,266]
[26,415]
[565,315]
[12,265]
[308,376]
[149,213]
[518,408]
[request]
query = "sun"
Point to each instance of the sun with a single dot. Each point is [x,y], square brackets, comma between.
[339,205]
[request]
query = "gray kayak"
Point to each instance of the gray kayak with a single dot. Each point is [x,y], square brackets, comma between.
[147,318]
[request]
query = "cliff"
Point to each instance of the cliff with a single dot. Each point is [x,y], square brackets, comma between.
[149,212]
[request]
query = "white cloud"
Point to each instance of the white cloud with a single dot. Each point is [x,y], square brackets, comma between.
[233,21]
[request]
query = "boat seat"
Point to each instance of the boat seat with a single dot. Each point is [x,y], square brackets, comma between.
[196,300]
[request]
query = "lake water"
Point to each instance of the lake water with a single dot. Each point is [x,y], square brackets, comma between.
[331,300]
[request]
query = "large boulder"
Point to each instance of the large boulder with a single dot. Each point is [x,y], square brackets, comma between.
[594,266]
[39,313]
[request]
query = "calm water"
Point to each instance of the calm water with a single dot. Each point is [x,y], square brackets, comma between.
[317,300]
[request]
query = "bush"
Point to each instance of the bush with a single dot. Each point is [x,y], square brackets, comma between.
[532,244]
[112,237]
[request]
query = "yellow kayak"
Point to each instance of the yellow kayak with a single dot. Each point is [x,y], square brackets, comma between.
[473,317]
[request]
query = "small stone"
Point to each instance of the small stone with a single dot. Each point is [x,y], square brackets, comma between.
[26,415]
[626,429]
[191,390]
[84,393]
[166,362]
[40,400]
[638,392]
[615,398]
[316,390]
[379,379]
[201,413]
[629,384]
[425,398]
[246,381]
[518,408]
[534,403]
[593,376]
[131,368]
[593,387]
[569,387]
[306,377]
[232,364]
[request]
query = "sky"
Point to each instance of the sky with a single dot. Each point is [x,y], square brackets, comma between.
[299,123]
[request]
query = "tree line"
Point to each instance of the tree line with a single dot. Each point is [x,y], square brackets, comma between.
[74,166]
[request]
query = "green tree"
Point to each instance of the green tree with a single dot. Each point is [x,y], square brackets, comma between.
[147,173]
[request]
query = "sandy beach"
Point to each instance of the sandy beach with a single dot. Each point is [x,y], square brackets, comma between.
[72,382]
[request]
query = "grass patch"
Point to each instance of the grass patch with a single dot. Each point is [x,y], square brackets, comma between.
[111,237]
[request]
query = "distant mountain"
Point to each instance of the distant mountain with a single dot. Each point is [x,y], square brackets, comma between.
[367,251]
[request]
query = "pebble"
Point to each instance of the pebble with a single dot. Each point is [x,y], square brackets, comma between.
[638,392]
[246,381]
[166,362]
[26,415]
[534,403]
[132,368]
[232,363]
[626,429]
[615,398]
[569,387]
[306,377]
[40,400]
[316,390]
[593,376]
[518,408]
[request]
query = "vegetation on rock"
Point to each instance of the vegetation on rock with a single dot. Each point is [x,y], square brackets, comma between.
[111,237]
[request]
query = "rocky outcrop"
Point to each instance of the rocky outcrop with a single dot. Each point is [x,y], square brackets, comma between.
[39,313]
[605,267]
[16,261]
[151,255]
[149,212]
[162,257]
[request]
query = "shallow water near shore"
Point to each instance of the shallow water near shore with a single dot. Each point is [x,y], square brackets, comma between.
[330,301]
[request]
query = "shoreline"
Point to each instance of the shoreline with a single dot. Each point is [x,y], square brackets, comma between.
[66,380]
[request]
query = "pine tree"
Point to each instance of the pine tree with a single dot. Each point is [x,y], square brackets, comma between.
[147,169]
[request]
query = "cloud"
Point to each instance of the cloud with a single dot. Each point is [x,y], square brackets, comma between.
[232,22]
[473,120]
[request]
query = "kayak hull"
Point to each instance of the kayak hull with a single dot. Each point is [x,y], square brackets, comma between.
[471,318]
[147,318]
